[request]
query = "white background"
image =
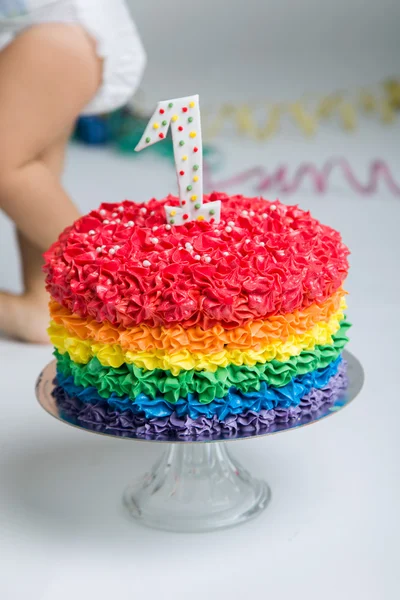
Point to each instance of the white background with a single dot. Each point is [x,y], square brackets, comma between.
[244,48]
[332,528]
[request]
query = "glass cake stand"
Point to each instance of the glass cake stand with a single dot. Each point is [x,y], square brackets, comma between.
[196,485]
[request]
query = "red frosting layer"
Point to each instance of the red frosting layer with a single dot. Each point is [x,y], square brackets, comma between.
[263,258]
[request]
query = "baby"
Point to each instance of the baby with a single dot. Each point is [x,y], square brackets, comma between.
[58,59]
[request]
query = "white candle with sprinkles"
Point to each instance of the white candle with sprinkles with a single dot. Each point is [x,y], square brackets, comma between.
[183,115]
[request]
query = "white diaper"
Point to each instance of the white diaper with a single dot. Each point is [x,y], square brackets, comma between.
[107,21]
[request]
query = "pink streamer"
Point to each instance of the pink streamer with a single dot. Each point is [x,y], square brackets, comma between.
[280,181]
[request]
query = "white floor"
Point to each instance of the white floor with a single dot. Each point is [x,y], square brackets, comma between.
[332,528]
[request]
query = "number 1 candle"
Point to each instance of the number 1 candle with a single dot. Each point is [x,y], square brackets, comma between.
[183,116]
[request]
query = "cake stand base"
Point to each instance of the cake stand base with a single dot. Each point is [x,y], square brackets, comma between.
[196,485]
[194,488]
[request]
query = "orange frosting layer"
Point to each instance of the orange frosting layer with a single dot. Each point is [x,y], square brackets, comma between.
[253,335]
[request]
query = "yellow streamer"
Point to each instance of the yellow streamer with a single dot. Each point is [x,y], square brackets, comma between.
[261,122]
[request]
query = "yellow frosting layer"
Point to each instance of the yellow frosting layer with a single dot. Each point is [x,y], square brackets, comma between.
[113,355]
[255,335]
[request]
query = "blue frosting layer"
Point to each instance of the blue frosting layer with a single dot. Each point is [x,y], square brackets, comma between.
[236,402]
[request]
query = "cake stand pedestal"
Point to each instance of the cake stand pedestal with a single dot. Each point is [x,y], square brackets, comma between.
[196,485]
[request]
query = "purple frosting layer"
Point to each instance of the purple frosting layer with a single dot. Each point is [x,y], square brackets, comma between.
[101,417]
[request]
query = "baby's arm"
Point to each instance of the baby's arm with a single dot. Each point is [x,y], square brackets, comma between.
[47,74]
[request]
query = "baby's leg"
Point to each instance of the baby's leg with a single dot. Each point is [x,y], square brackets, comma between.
[25,316]
[48,74]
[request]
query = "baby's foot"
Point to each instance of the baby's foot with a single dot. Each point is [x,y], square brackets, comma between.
[24,317]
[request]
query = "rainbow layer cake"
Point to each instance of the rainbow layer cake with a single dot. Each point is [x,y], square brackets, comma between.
[199,329]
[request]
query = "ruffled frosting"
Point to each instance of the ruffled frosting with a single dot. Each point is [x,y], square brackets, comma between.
[254,335]
[235,401]
[101,417]
[128,380]
[262,259]
[81,351]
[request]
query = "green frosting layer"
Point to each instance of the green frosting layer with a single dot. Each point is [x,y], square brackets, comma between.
[131,381]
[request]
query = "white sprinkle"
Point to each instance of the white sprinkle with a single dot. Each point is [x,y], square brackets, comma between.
[111,251]
[188,246]
[231,223]
[262,244]
[273,207]
[99,249]
[143,210]
[228,229]
[197,257]
[92,232]
[121,208]
[248,241]
[103,247]
[264,215]
[112,223]
[152,213]
[146,263]
[225,253]
[155,228]
[117,247]
[102,212]
[130,223]
[207,259]
[114,214]
[126,225]
[118,220]
[252,213]
[245,213]
[168,227]
[154,240]
[106,221]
